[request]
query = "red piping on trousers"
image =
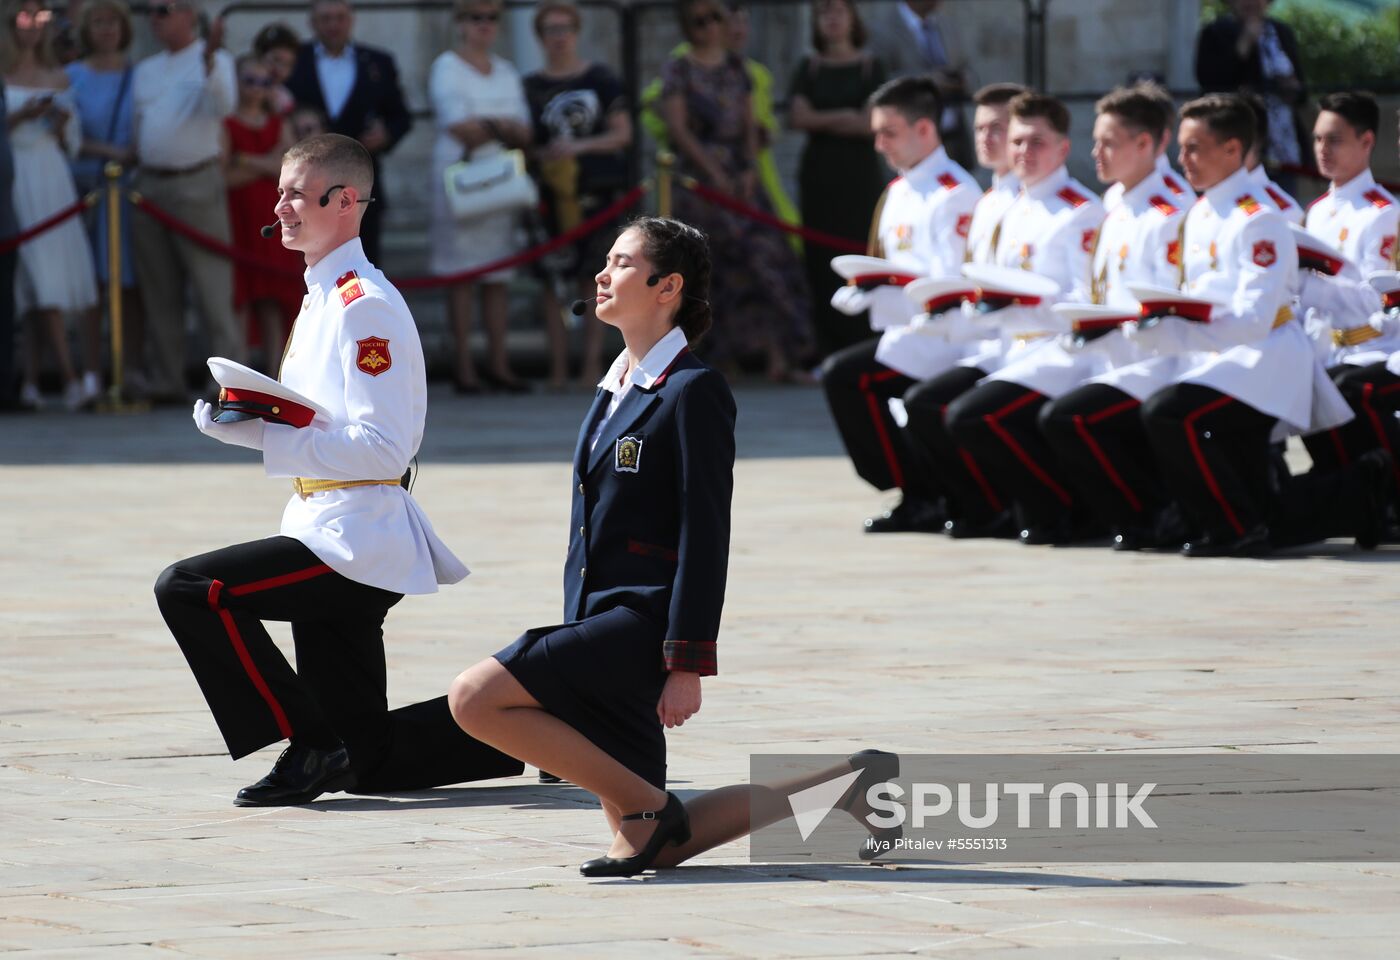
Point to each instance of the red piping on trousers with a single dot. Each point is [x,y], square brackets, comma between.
[1340,447]
[992,420]
[1189,425]
[249,667]
[982,483]
[296,576]
[873,402]
[1374,416]
[1107,465]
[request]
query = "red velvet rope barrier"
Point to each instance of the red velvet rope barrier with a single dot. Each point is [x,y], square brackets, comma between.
[830,241]
[24,236]
[593,223]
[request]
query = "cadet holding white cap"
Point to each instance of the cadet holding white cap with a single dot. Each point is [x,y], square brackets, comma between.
[343,425]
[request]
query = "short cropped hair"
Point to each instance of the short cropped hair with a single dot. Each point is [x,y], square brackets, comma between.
[913,98]
[555,6]
[1136,108]
[998,94]
[343,159]
[275,36]
[1227,116]
[1356,107]
[1031,106]
[90,10]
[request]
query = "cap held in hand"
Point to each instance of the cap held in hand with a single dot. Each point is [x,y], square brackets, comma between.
[867,273]
[246,394]
[1002,287]
[1089,321]
[936,295]
[1158,302]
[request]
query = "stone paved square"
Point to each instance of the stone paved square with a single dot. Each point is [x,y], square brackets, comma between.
[119,839]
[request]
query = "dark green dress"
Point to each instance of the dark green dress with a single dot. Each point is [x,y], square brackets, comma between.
[840,179]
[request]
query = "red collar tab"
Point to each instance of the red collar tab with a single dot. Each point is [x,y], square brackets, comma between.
[270,408]
[1195,312]
[869,281]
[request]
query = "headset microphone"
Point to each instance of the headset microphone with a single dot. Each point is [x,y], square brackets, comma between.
[270,230]
[581,306]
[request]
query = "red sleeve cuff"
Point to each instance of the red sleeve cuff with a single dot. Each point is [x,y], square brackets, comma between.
[690,656]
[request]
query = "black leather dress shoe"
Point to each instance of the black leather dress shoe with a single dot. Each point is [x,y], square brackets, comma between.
[1000,527]
[300,775]
[911,516]
[672,826]
[549,778]
[1254,543]
[1375,467]
[1056,533]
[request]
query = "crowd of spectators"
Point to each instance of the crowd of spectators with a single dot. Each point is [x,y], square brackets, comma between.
[192,122]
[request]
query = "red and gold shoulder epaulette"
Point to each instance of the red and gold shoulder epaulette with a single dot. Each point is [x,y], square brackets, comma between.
[1377,199]
[1164,206]
[1283,202]
[349,288]
[1172,185]
[948,181]
[1072,197]
[1248,204]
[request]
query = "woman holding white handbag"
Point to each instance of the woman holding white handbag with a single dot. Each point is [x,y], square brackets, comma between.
[481,114]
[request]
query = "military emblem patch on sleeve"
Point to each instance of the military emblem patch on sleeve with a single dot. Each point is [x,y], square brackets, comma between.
[1265,255]
[373,357]
[627,455]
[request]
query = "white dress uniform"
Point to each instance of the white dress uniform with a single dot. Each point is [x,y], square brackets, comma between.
[1361,219]
[1178,192]
[1050,230]
[355,351]
[1275,196]
[1239,253]
[987,217]
[924,226]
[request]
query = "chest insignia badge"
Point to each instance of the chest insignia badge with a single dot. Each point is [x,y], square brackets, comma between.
[904,237]
[627,454]
[373,357]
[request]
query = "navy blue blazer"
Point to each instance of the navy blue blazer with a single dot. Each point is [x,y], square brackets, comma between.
[649,524]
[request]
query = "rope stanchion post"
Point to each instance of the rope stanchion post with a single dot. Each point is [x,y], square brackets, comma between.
[117,401]
[665,173]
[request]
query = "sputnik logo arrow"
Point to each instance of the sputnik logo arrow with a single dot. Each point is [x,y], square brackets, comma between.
[810,806]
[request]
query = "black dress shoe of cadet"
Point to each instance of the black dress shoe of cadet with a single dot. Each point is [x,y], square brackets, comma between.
[672,826]
[1056,533]
[1375,467]
[1254,543]
[300,775]
[999,527]
[911,516]
[549,778]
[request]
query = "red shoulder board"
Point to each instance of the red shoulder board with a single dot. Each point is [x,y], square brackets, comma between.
[1072,197]
[1248,204]
[346,277]
[373,356]
[1173,185]
[948,181]
[1377,199]
[1164,206]
[1283,202]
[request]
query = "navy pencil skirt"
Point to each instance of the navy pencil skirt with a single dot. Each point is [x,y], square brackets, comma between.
[603,676]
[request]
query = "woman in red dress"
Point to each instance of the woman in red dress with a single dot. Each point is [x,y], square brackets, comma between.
[255,137]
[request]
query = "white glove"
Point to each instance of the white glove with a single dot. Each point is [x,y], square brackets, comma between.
[851,300]
[244,433]
[1134,332]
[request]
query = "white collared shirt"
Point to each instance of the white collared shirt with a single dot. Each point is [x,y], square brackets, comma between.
[618,380]
[337,76]
[178,110]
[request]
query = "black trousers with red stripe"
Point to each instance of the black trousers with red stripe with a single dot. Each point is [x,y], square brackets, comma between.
[1374,395]
[967,486]
[214,605]
[1215,458]
[858,390]
[1098,437]
[997,424]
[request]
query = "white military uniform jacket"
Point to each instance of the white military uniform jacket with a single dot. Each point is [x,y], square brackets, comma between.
[355,351]
[924,225]
[1274,195]
[1178,192]
[1239,254]
[1050,230]
[1361,219]
[987,217]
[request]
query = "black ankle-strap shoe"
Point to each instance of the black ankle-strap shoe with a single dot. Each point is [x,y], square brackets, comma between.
[672,826]
[875,766]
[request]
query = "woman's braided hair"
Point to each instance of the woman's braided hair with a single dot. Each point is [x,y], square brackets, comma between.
[676,247]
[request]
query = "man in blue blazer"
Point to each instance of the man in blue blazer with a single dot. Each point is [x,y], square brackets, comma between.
[357,88]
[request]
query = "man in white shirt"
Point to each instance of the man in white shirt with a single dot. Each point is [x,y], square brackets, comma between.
[352,540]
[180,97]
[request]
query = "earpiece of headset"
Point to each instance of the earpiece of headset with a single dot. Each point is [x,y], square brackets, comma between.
[326,197]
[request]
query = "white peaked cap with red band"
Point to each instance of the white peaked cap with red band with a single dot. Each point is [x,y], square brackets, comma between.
[860,271]
[1092,320]
[1314,253]
[1010,283]
[245,394]
[1160,302]
[936,294]
[1387,284]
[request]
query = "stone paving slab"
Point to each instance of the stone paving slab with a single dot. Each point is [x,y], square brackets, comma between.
[117,837]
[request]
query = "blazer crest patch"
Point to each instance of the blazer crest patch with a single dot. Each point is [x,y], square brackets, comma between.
[627,454]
